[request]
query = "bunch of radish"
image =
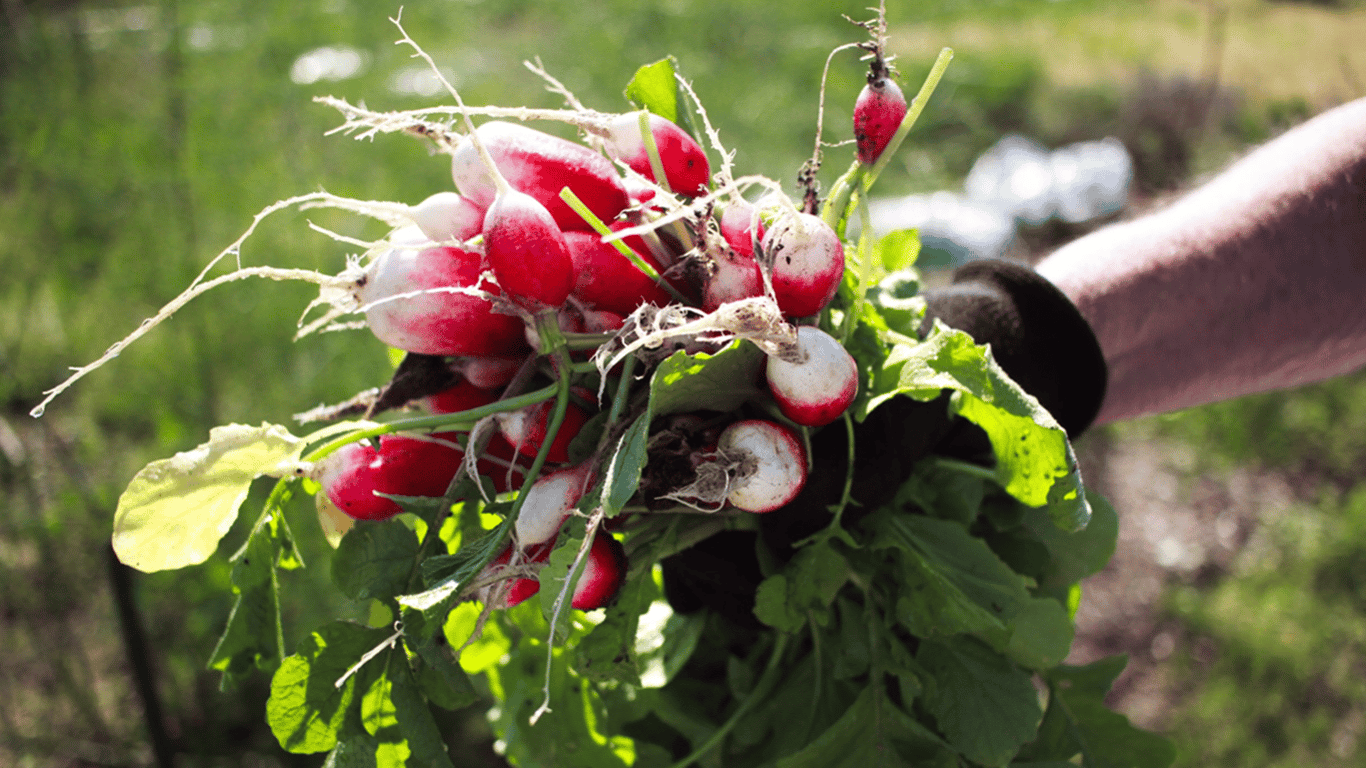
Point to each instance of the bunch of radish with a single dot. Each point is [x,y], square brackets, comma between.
[548,248]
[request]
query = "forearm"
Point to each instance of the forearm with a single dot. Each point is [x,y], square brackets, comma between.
[1256,281]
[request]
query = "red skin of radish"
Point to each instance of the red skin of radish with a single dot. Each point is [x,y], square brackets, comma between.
[817,391]
[878,113]
[525,429]
[461,397]
[527,251]
[521,589]
[602,321]
[779,464]
[685,162]
[607,279]
[500,448]
[808,263]
[603,574]
[540,165]
[402,466]
[490,372]
[435,323]
[742,227]
[602,577]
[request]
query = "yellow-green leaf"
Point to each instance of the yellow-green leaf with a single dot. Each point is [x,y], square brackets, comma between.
[176,510]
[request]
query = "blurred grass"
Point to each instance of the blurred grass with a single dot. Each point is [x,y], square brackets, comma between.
[138,140]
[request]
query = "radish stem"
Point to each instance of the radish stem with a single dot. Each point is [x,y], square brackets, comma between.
[761,690]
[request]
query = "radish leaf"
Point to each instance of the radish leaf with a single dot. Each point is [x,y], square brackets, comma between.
[176,510]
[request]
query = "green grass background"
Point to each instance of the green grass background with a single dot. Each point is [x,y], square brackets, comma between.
[137,140]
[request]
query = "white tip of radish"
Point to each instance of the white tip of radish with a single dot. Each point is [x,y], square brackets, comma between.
[447,217]
[819,388]
[808,263]
[772,464]
[548,504]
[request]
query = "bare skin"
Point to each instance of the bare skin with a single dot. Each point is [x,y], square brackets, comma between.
[1255,281]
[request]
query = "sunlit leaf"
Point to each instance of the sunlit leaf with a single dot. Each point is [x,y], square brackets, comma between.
[176,510]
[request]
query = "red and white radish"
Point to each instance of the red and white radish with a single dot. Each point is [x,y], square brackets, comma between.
[818,388]
[684,161]
[409,308]
[527,252]
[741,226]
[607,279]
[549,502]
[878,113]
[770,464]
[808,263]
[401,466]
[603,574]
[525,429]
[540,165]
[734,276]
[462,396]
[447,217]
[489,372]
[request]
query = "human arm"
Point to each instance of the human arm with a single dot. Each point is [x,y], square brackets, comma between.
[1253,282]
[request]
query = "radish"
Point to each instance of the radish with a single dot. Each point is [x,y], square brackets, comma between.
[808,263]
[770,464]
[525,429]
[401,466]
[521,588]
[446,216]
[540,165]
[818,389]
[602,321]
[527,251]
[684,161]
[603,574]
[437,322]
[461,397]
[498,463]
[607,279]
[602,577]
[878,113]
[549,502]
[741,226]
[734,276]
[489,372]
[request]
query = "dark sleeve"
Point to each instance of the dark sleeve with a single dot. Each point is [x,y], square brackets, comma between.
[1035,333]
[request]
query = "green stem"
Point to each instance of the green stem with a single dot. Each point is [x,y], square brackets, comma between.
[967,468]
[761,690]
[628,367]
[652,151]
[865,272]
[548,328]
[463,419]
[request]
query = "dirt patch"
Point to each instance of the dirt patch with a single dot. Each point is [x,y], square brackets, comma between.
[1177,525]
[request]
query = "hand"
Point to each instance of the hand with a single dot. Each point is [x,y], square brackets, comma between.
[1036,335]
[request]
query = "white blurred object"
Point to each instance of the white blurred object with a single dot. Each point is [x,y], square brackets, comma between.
[1015,181]
[964,229]
[1076,183]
